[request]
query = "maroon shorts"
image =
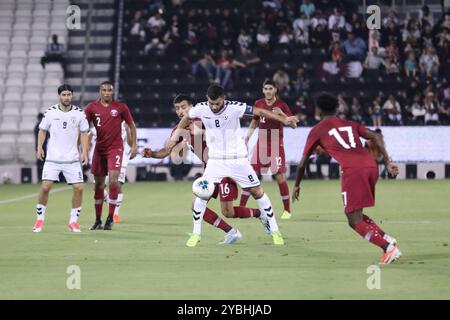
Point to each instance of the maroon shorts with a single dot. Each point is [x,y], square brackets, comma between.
[103,162]
[267,158]
[358,188]
[227,189]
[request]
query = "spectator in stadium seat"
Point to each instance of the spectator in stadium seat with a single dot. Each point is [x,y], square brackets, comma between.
[429,64]
[444,112]
[342,109]
[308,8]
[392,66]
[332,68]
[301,110]
[156,21]
[432,107]
[301,83]
[392,18]
[336,52]
[245,61]
[244,39]
[372,63]
[55,53]
[205,65]
[356,25]
[417,111]
[318,20]
[319,37]
[393,110]
[224,65]
[138,26]
[411,65]
[263,40]
[282,81]
[301,30]
[356,110]
[375,112]
[355,48]
[336,19]
[286,38]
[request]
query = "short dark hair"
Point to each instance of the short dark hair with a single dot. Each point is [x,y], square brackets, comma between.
[215,92]
[64,87]
[270,82]
[182,97]
[327,103]
[106,82]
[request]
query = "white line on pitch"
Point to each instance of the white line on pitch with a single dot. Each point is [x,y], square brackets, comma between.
[34,195]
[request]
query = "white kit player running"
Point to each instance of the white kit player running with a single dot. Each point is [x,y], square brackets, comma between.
[228,153]
[126,137]
[66,124]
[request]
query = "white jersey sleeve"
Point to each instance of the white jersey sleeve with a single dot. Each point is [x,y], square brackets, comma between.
[46,121]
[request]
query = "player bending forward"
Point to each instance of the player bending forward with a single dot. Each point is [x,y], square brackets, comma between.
[227,154]
[65,123]
[227,189]
[107,115]
[341,140]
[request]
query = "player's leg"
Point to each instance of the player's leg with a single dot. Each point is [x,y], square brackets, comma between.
[257,168]
[228,192]
[50,173]
[114,188]
[233,234]
[100,171]
[74,176]
[41,206]
[122,175]
[284,193]
[99,187]
[77,199]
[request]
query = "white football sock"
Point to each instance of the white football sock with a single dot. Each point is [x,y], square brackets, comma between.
[118,203]
[40,211]
[197,214]
[74,214]
[265,206]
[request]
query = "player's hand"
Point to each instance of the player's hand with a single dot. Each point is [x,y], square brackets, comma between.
[40,154]
[393,169]
[291,121]
[84,159]
[295,194]
[133,152]
[147,153]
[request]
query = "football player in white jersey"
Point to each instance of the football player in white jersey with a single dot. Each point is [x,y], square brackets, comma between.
[228,153]
[67,125]
[126,137]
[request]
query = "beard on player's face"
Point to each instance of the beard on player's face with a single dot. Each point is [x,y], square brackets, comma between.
[216,105]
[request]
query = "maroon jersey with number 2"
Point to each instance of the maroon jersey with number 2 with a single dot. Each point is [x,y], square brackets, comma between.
[107,121]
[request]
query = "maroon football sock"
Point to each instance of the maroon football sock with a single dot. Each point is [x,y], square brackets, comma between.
[244,212]
[213,219]
[113,193]
[244,198]
[370,233]
[98,201]
[373,224]
[284,193]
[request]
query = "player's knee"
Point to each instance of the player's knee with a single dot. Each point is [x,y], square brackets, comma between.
[257,192]
[78,188]
[228,212]
[46,188]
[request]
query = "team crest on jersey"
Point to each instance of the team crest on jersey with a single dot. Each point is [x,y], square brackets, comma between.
[114,112]
[73,120]
[225,116]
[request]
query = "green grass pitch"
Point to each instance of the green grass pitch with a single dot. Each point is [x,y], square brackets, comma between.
[145,257]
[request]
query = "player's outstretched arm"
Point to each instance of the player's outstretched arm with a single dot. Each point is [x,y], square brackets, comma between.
[287,121]
[40,154]
[300,173]
[377,139]
[182,125]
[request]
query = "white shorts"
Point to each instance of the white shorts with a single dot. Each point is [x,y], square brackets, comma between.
[240,170]
[125,159]
[71,171]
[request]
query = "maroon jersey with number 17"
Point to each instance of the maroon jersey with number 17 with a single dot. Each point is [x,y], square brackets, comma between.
[107,121]
[341,140]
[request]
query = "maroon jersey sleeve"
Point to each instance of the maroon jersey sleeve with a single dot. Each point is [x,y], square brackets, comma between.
[284,107]
[255,117]
[311,143]
[88,113]
[126,115]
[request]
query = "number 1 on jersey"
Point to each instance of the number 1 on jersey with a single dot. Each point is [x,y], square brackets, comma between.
[337,135]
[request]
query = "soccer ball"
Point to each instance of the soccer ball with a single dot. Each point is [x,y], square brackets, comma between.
[203,188]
